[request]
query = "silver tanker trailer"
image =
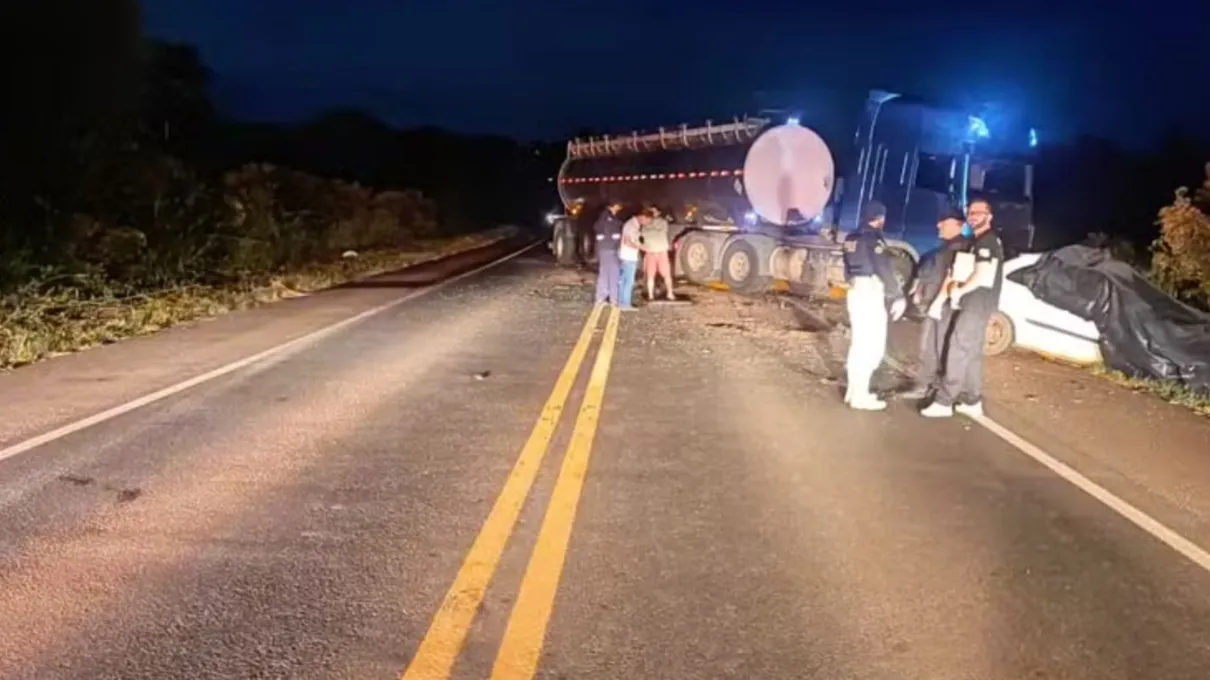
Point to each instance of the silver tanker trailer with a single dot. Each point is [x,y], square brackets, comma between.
[757,200]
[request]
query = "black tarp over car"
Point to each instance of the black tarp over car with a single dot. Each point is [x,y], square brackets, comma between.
[1145,333]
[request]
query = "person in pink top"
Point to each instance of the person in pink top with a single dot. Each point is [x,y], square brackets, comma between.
[655,254]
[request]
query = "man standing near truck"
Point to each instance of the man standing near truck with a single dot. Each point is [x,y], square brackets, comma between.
[608,232]
[931,278]
[629,254]
[974,295]
[867,266]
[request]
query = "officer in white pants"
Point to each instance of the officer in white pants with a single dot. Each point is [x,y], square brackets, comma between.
[871,282]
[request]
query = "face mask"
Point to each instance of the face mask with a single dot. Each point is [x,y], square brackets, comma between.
[967,230]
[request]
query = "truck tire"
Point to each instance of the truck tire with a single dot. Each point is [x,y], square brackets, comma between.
[563,244]
[588,250]
[999,335]
[695,258]
[741,268]
[812,280]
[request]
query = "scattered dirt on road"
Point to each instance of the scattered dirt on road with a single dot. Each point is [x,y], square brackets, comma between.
[568,277]
[809,337]
[813,337]
[562,284]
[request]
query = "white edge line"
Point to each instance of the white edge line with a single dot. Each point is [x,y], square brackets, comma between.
[1142,520]
[121,409]
[1139,518]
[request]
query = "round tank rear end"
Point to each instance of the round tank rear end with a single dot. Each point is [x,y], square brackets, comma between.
[788,174]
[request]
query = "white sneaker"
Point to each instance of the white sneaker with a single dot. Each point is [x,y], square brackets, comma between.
[867,403]
[936,410]
[974,410]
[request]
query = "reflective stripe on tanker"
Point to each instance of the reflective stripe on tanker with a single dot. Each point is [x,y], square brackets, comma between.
[674,175]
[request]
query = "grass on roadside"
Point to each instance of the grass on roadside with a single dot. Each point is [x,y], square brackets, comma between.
[62,320]
[1169,391]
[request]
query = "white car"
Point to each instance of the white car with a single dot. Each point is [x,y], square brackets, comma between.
[1027,322]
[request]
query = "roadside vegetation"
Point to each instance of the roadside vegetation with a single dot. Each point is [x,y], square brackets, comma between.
[1170,391]
[1179,263]
[188,250]
[150,242]
[128,204]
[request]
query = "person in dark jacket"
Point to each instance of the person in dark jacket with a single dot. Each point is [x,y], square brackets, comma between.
[871,278]
[608,232]
[974,295]
[930,279]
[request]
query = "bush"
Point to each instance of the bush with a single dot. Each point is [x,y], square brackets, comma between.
[158,245]
[1181,255]
[63,314]
[280,218]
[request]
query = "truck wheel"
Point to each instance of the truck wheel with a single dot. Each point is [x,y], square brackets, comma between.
[563,245]
[811,281]
[695,258]
[999,334]
[741,269]
[904,268]
[588,251]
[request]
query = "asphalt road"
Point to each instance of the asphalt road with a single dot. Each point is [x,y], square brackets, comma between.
[381,502]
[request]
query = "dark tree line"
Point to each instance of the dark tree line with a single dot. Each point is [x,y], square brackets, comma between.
[475,180]
[1094,186]
[103,129]
[97,104]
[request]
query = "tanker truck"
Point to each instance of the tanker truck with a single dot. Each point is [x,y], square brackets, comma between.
[758,199]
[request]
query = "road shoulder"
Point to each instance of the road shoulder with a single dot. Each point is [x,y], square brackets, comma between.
[67,388]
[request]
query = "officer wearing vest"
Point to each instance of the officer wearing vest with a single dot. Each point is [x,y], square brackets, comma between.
[931,276]
[608,232]
[973,293]
[871,279]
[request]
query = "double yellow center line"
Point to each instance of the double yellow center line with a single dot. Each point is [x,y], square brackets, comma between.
[526,630]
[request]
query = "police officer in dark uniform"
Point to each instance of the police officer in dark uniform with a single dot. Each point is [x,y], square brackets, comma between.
[931,276]
[871,282]
[608,232]
[973,298]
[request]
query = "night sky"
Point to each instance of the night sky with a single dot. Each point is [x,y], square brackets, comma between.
[544,68]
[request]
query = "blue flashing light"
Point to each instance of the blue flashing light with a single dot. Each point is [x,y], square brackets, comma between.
[750,218]
[792,120]
[1033,138]
[977,128]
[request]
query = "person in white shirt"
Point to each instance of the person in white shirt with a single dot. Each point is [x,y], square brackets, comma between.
[628,253]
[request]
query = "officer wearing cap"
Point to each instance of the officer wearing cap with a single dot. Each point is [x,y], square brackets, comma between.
[974,295]
[608,232]
[926,295]
[871,281]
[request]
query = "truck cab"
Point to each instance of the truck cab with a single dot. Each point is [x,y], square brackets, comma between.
[919,159]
